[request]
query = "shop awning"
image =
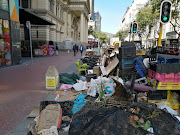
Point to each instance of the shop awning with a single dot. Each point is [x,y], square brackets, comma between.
[25,16]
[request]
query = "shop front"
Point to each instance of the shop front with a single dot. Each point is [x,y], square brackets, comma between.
[5,42]
[9,32]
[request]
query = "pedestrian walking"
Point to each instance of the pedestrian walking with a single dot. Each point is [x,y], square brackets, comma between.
[75,49]
[81,49]
[57,53]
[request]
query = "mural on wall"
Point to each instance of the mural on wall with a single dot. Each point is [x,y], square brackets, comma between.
[14,10]
[4,5]
[5,44]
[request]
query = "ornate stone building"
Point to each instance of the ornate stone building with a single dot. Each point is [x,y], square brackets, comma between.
[70,19]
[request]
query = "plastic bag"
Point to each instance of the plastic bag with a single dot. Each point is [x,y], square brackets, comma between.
[80,86]
[109,88]
[79,103]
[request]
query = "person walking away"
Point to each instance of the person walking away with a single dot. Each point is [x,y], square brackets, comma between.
[77,48]
[74,49]
[57,50]
[81,49]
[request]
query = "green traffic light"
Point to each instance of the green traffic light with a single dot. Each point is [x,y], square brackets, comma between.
[165,18]
[134,31]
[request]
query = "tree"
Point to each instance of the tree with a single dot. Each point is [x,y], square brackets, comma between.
[148,17]
[101,36]
[122,34]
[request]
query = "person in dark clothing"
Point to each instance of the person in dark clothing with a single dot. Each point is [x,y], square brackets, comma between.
[81,49]
[57,53]
[75,49]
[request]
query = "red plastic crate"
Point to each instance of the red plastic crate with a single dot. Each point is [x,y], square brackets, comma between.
[164,77]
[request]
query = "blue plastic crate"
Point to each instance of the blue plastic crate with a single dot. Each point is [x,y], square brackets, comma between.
[127,61]
[141,69]
[165,59]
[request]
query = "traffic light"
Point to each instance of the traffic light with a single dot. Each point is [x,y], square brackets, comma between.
[134,27]
[165,13]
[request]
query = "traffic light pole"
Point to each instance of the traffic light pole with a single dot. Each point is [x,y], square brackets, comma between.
[160,35]
[132,37]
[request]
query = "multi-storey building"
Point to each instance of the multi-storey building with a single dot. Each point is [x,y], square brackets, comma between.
[69,18]
[130,14]
[97,19]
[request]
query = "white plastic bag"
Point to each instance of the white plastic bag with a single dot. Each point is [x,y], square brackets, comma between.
[169,109]
[109,88]
[80,86]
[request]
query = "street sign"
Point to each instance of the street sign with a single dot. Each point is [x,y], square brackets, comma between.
[173,42]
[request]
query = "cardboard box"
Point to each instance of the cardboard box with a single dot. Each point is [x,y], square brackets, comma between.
[97,70]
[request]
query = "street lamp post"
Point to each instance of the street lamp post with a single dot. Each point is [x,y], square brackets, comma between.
[94,33]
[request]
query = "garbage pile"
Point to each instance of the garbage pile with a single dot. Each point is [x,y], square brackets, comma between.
[119,93]
[123,118]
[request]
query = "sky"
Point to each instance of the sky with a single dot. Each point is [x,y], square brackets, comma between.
[111,12]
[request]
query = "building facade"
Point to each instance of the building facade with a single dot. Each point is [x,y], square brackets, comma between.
[130,14]
[69,18]
[97,19]
[91,10]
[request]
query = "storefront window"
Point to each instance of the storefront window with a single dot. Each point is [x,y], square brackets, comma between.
[4,5]
[5,47]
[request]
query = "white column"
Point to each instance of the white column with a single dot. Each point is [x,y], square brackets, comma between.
[82,28]
[65,25]
[70,23]
[86,30]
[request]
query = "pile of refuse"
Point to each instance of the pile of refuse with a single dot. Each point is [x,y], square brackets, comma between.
[123,118]
[116,96]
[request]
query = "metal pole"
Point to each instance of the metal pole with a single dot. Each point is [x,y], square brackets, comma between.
[31,44]
[160,35]
[28,25]
[132,37]
[130,32]
[94,34]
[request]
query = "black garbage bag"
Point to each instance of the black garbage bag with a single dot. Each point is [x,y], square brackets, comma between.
[103,122]
[106,120]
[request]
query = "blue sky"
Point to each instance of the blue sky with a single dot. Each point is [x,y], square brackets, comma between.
[111,12]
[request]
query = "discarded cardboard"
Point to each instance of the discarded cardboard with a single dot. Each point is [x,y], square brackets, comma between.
[34,113]
[112,65]
[67,96]
[106,52]
[116,50]
[104,60]
[96,70]
[52,78]
[50,116]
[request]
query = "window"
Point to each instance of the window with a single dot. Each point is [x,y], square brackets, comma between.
[26,3]
[51,6]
